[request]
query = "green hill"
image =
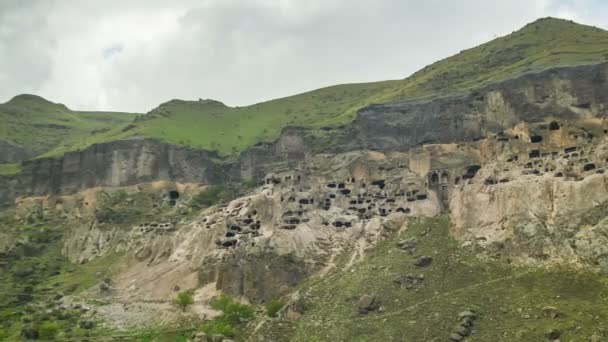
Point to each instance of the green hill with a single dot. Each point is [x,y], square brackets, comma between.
[209,124]
[36,125]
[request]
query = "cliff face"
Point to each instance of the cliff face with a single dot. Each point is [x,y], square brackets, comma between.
[575,93]
[113,164]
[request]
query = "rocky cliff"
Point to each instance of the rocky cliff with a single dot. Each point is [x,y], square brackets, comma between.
[571,93]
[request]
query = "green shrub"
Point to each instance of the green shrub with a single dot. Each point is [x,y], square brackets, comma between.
[233,311]
[233,315]
[184,299]
[273,307]
[48,330]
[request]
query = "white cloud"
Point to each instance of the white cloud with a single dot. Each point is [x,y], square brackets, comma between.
[133,55]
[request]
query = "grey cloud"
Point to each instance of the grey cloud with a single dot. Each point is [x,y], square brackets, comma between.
[244,51]
[25,46]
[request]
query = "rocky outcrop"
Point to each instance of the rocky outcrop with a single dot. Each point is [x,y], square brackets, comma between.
[571,93]
[117,163]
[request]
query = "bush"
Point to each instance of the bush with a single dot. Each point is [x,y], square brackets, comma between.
[48,330]
[273,307]
[184,299]
[233,314]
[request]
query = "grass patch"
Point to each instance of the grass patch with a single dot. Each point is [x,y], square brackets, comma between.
[9,169]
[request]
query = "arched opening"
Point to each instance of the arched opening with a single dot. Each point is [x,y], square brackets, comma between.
[553,126]
[173,194]
[434,179]
[444,178]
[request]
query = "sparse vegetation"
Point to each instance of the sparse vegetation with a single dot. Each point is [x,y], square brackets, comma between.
[184,299]
[508,299]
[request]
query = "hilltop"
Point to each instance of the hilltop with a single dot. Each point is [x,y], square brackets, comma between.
[32,125]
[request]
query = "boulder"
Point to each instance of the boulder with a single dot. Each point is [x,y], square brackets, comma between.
[551,312]
[467,314]
[423,261]
[29,333]
[367,304]
[553,334]
[456,337]
[87,324]
[408,245]
[199,337]
[462,330]
[104,287]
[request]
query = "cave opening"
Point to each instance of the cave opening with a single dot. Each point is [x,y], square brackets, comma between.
[553,126]
[173,194]
[471,171]
[534,154]
[589,167]
[229,243]
[536,139]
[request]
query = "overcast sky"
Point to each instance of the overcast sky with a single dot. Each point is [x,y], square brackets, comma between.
[132,55]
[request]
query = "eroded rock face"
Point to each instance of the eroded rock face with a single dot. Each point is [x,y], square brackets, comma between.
[563,94]
[258,246]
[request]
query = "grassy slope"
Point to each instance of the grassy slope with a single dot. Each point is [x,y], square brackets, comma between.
[39,125]
[509,300]
[209,124]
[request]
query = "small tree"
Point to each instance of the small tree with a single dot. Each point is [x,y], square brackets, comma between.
[184,299]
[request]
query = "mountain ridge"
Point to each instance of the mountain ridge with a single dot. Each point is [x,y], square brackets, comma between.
[210,124]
